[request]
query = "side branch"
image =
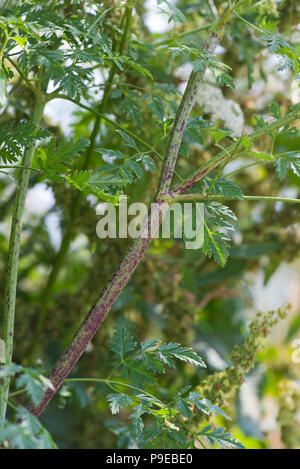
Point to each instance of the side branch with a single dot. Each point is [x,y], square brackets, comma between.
[227,154]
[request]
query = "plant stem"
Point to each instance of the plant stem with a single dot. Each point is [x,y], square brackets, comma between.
[135,253]
[203,197]
[13,258]
[222,167]
[182,117]
[255,163]
[69,234]
[17,393]
[20,167]
[271,199]
[33,89]
[111,381]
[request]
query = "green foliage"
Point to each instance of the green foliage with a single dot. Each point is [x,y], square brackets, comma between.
[30,434]
[125,85]
[173,13]
[33,383]
[117,401]
[54,159]
[220,437]
[153,421]
[131,169]
[122,343]
[42,33]
[223,186]
[280,46]
[288,162]
[216,243]
[154,357]
[14,138]
[91,182]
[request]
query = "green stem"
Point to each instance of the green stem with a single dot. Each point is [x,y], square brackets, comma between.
[34,90]
[191,432]
[20,167]
[255,163]
[8,317]
[12,406]
[223,166]
[273,143]
[17,393]
[118,383]
[203,197]
[253,26]
[69,234]
[272,199]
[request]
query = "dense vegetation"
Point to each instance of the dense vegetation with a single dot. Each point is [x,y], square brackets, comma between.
[94,104]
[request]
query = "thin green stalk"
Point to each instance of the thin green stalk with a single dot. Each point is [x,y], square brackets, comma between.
[69,234]
[118,383]
[203,197]
[273,143]
[255,163]
[20,167]
[8,316]
[17,393]
[189,430]
[223,166]
[33,89]
[253,26]
[12,406]
[271,199]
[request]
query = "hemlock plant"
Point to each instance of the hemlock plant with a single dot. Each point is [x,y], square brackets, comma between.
[162,146]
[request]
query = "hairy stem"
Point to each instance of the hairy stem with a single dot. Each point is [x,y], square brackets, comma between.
[8,316]
[134,255]
[182,117]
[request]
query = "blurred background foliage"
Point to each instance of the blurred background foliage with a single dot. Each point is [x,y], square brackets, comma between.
[175,294]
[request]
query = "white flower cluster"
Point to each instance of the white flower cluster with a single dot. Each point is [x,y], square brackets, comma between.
[220,108]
